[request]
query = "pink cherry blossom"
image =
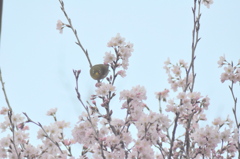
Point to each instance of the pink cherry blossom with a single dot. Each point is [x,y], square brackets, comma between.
[183,63]
[4,111]
[116,41]
[122,73]
[60,26]
[104,89]
[221,61]
[109,58]
[52,112]
[162,95]
[207,3]
[218,122]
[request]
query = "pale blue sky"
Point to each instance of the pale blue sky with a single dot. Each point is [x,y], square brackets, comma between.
[37,61]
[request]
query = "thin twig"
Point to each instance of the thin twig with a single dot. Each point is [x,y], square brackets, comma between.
[46,135]
[173,135]
[75,33]
[4,91]
[195,40]
[76,74]
[13,132]
[235,116]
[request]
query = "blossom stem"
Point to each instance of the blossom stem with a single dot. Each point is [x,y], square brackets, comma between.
[195,40]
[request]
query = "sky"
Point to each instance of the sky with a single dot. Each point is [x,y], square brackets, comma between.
[37,62]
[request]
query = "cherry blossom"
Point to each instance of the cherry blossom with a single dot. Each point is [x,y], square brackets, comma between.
[104,89]
[109,58]
[207,3]
[60,25]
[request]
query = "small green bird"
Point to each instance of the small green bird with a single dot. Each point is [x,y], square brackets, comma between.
[99,71]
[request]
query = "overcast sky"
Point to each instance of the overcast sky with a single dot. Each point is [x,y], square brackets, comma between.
[37,61]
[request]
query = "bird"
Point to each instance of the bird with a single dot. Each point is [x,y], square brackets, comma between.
[99,71]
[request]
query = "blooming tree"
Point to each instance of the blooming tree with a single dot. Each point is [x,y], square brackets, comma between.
[103,135]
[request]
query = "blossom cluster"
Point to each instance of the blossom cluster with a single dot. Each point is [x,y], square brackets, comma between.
[17,144]
[209,137]
[232,73]
[114,137]
[175,74]
[122,51]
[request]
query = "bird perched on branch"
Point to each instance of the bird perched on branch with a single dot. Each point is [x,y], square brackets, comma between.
[99,71]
